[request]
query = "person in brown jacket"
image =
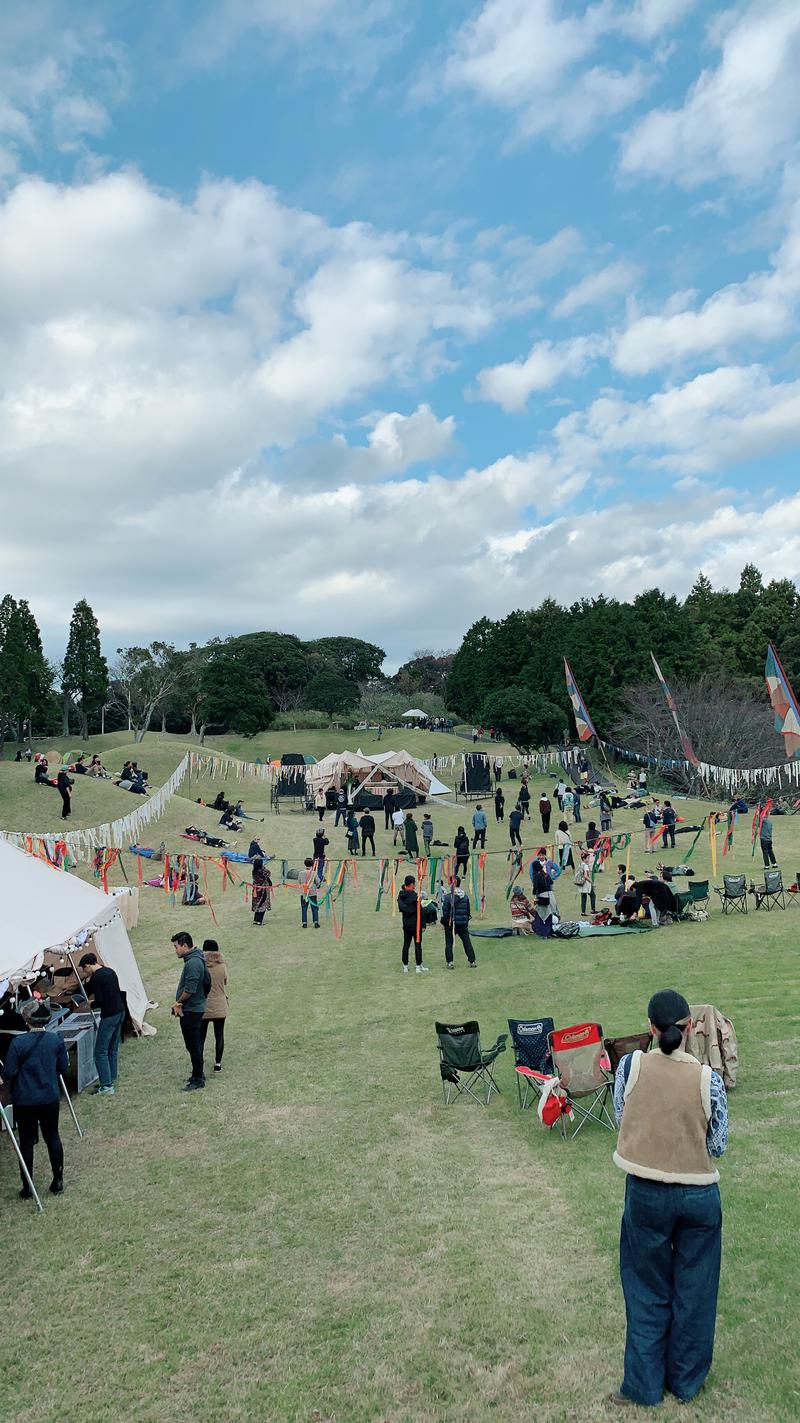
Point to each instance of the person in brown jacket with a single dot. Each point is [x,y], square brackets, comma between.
[217,999]
[673,1125]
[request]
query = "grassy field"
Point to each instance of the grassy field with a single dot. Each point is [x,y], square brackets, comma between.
[316,1238]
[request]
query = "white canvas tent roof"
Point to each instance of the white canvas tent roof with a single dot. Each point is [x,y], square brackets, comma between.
[401,759]
[44,907]
[415,714]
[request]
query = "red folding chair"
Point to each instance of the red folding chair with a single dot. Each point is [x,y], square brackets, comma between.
[585,1082]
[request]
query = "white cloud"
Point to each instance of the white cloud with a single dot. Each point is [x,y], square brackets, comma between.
[716,420]
[58,78]
[530,57]
[598,288]
[759,310]
[400,441]
[511,384]
[739,120]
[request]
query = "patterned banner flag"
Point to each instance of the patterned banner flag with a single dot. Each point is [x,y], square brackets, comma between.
[583,721]
[784,705]
[688,749]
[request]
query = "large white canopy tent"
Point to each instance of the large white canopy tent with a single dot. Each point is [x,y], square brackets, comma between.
[44,908]
[384,767]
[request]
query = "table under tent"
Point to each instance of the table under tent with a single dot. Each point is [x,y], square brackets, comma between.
[367,779]
[50,918]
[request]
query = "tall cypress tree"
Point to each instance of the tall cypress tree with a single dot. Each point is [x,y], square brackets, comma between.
[84,676]
[9,668]
[30,677]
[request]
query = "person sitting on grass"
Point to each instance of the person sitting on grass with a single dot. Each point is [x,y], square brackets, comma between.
[227,820]
[522,910]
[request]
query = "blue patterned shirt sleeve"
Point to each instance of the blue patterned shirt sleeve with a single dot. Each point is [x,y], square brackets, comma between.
[717,1133]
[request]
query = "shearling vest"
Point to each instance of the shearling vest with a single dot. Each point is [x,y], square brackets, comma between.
[665,1119]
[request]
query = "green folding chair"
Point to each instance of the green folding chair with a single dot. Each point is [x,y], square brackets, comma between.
[466,1070]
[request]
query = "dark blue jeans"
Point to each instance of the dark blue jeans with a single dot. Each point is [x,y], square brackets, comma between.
[106,1048]
[305,904]
[669,1256]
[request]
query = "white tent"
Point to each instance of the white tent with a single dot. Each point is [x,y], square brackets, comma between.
[415,715]
[434,787]
[43,908]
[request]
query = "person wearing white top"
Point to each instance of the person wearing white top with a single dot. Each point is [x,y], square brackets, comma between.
[398,821]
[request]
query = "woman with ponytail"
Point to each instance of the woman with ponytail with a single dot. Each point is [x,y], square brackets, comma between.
[673,1120]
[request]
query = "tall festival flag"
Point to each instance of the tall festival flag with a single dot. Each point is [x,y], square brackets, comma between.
[583,721]
[688,749]
[784,704]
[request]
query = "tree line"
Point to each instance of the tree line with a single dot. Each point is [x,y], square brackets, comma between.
[239,683]
[509,673]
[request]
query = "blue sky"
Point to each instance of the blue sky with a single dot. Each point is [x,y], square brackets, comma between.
[381,315]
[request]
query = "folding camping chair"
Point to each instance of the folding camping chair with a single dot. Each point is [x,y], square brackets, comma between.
[733,894]
[530,1039]
[771,892]
[617,1048]
[580,1063]
[695,896]
[465,1069]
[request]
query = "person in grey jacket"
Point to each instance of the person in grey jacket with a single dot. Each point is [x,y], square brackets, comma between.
[190,1004]
[456,913]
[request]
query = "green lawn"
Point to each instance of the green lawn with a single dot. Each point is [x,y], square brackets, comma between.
[315,1237]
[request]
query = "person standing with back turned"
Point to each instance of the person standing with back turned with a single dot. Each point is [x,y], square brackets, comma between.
[673,1120]
[34,1063]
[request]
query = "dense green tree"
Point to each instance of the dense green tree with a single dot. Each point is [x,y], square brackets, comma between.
[84,673]
[424,672]
[522,717]
[358,661]
[331,692]
[235,692]
[26,677]
[9,666]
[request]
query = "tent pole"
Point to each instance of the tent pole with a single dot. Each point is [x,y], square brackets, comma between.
[80,980]
[69,1104]
[26,1173]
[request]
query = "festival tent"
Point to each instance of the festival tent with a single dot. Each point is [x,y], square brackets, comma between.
[336,769]
[414,715]
[44,908]
[411,772]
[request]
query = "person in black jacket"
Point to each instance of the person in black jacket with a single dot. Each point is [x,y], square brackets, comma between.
[499,805]
[668,818]
[407,903]
[389,806]
[461,847]
[102,985]
[65,785]
[455,920]
[367,824]
[34,1062]
[514,823]
[524,799]
[320,841]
